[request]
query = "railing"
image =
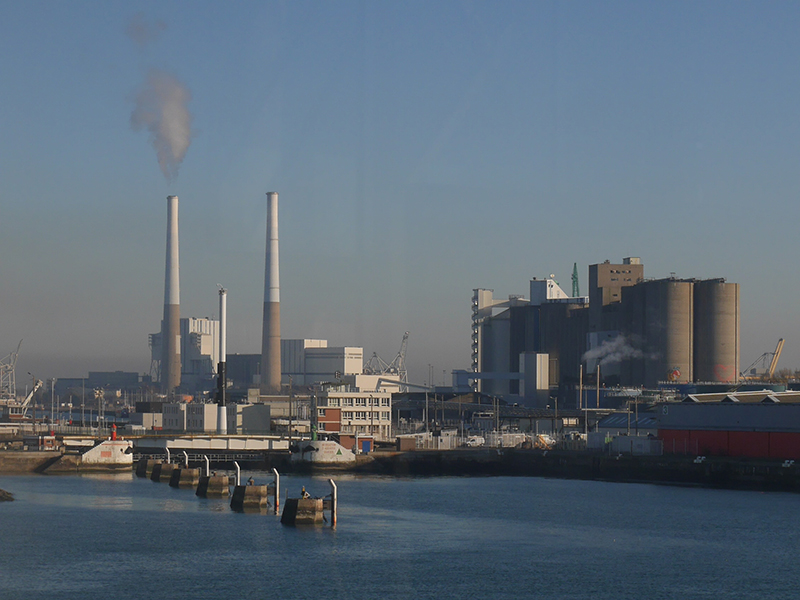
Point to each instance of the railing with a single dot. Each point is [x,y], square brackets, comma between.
[46,429]
[200,458]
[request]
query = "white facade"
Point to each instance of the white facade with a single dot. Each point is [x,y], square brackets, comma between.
[345,410]
[535,385]
[293,359]
[312,361]
[323,364]
[483,307]
[546,290]
[199,346]
[248,418]
[201,417]
[173,417]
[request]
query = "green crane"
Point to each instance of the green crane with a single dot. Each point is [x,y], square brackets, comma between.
[576,290]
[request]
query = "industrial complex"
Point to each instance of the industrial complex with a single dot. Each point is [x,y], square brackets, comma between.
[636,366]
[630,331]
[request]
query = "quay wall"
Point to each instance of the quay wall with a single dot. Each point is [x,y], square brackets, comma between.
[18,461]
[724,472]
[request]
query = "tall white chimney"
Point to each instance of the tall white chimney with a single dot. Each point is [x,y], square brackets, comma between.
[271,333]
[170,326]
[222,375]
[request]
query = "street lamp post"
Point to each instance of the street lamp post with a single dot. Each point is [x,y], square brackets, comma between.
[52,400]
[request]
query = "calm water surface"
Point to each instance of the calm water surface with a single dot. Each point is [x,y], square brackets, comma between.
[121,537]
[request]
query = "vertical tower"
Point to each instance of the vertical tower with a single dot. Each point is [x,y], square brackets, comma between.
[271,333]
[170,326]
[716,331]
[222,375]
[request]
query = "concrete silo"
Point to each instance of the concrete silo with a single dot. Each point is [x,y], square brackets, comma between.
[716,331]
[669,327]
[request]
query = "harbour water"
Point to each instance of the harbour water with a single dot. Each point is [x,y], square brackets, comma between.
[117,536]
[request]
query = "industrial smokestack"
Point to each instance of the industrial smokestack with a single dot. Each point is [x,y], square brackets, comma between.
[271,333]
[170,326]
[222,375]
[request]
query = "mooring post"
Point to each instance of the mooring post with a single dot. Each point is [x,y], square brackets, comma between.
[238,473]
[186,459]
[334,502]
[169,460]
[277,490]
[208,465]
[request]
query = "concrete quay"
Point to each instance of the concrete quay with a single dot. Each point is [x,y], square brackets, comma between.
[722,472]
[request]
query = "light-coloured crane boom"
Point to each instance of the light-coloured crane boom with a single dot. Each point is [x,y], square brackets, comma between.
[26,402]
[775,356]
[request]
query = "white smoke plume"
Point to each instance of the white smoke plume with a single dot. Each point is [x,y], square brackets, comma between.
[613,351]
[143,32]
[161,108]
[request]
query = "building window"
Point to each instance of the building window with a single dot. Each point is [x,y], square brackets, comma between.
[321,412]
[361,416]
[347,402]
[333,401]
[384,402]
[361,401]
[347,415]
[385,416]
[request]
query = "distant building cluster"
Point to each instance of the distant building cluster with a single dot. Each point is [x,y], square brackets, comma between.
[639,332]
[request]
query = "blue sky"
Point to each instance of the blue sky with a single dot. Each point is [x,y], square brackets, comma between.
[420,150]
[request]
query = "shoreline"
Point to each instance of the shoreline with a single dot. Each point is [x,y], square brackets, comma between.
[710,472]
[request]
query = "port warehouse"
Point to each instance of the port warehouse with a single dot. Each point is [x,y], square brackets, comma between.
[753,425]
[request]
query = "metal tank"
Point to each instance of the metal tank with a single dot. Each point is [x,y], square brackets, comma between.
[716,331]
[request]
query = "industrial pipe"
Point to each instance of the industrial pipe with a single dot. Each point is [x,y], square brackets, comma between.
[277,489]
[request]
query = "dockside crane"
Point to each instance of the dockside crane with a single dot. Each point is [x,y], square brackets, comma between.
[8,384]
[576,289]
[27,401]
[397,368]
[775,356]
[769,368]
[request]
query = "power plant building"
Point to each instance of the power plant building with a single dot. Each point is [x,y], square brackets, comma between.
[639,332]
[199,352]
[306,361]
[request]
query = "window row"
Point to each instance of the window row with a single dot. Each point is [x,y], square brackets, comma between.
[336,402]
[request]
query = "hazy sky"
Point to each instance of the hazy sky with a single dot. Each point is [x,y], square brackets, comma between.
[420,149]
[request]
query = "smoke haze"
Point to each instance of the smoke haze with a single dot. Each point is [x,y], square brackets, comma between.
[613,351]
[161,108]
[143,32]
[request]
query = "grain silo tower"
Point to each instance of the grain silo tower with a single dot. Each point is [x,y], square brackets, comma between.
[716,331]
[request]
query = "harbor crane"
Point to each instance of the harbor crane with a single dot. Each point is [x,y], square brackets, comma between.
[772,357]
[8,384]
[25,404]
[397,368]
[576,289]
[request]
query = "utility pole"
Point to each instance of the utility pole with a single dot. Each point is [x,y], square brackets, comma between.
[52,400]
[290,411]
